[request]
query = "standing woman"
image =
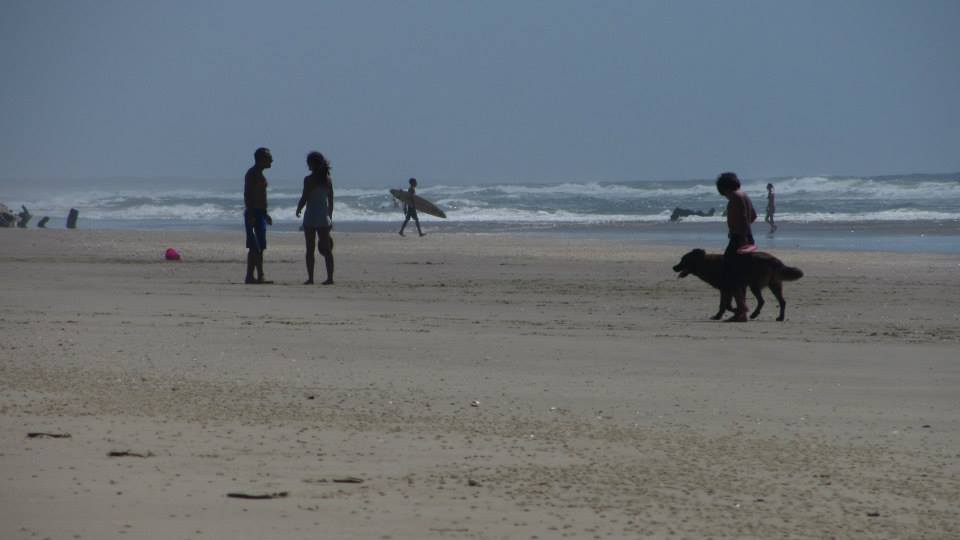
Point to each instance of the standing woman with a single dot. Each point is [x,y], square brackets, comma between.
[318,219]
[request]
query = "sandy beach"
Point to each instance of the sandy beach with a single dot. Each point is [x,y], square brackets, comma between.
[468,386]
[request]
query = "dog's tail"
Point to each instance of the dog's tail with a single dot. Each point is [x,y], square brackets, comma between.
[789,273]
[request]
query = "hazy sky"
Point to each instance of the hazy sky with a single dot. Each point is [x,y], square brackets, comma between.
[485,91]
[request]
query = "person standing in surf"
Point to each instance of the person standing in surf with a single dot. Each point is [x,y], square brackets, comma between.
[318,219]
[771,209]
[255,216]
[740,214]
[410,209]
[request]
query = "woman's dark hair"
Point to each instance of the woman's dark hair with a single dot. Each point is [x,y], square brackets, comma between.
[727,181]
[319,164]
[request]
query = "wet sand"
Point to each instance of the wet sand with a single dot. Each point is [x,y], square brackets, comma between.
[469,386]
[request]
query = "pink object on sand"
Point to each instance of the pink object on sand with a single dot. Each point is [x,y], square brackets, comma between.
[749,248]
[172,255]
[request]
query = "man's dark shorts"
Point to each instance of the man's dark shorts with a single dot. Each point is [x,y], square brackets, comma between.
[256,228]
[736,265]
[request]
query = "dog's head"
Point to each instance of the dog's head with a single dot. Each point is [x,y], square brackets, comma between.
[689,262]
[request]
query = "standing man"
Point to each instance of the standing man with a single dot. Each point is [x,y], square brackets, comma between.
[255,217]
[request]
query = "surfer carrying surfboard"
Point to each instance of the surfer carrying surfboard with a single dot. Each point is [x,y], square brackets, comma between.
[411,209]
[318,219]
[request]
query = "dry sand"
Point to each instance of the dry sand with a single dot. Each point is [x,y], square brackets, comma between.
[472,386]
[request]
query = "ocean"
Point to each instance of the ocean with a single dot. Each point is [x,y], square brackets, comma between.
[908,213]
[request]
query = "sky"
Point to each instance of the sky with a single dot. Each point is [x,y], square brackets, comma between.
[460,92]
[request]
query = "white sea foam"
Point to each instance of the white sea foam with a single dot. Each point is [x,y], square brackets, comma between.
[887,215]
[800,199]
[825,188]
[507,215]
[179,212]
[571,189]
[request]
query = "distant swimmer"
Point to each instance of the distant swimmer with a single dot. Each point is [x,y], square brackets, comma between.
[255,216]
[317,196]
[411,209]
[771,209]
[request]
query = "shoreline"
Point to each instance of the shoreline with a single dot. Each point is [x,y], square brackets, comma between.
[936,237]
[469,386]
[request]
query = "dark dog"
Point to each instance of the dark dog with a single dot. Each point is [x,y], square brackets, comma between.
[762,270]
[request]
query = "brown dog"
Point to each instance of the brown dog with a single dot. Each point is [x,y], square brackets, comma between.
[763,270]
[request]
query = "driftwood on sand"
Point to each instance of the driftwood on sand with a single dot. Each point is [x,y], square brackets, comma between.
[72,218]
[7,218]
[684,212]
[258,496]
[23,217]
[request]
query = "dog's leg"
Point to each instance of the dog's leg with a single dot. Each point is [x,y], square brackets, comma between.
[777,289]
[724,304]
[758,294]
